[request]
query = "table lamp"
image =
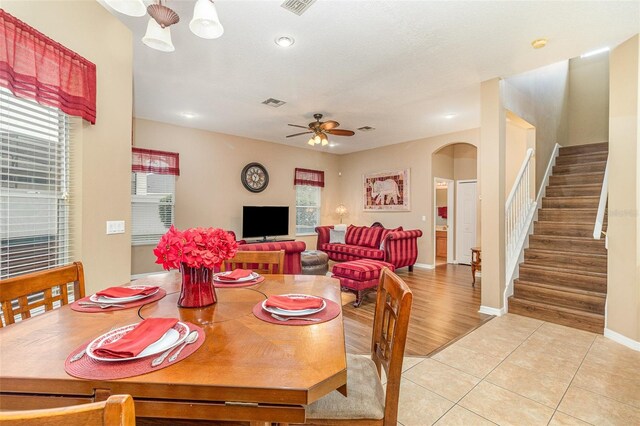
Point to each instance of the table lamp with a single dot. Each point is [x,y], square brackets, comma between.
[341,210]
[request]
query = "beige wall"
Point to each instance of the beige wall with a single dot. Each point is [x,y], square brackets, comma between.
[416,155]
[103,155]
[516,149]
[465,161]
[623,296]
[540,98]
[209,191]
[588,100]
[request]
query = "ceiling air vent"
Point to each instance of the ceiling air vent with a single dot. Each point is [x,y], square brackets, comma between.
[366,129]
[297,6]
[274,102]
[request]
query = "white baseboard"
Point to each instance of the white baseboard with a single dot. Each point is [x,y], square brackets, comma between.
[492,311]
[623,340]
[424,265]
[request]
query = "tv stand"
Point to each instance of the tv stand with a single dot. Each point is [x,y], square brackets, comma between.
[269,240]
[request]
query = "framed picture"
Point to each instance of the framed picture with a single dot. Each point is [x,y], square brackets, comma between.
[386,191]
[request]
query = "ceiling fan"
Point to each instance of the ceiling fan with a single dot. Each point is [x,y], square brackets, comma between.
[320,129]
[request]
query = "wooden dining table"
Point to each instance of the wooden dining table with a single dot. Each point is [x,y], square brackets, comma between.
[246,370]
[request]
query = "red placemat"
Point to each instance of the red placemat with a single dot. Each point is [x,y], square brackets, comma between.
[218,284]
[330,312]
[89,368]
[159,295]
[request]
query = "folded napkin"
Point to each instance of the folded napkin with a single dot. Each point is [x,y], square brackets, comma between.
[236,274]
[294,303]
[135,341]
[116,292]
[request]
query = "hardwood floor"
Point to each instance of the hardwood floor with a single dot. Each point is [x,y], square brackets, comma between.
[445,307]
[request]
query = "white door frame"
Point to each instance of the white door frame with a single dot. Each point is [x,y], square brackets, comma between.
[458,182]
[450,216]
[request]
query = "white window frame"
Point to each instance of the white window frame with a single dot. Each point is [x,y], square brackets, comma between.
[140,197]
[317,207]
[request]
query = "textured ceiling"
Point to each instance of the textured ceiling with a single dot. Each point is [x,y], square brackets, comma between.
[397,66]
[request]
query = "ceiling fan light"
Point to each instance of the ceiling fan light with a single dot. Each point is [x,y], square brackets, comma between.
[128,7]
[157,37]
[205,22]
[317,139]
[324,139]
[311,142]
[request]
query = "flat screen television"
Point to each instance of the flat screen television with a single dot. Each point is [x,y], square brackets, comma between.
[265,221]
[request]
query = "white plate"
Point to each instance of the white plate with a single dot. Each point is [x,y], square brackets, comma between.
[297,313]
[172,338]
[106,299]
[253,276]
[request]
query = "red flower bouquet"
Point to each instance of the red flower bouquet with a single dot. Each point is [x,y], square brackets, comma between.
[195,251]
[195,247]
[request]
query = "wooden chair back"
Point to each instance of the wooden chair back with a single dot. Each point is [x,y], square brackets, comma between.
[262,262]
[23,294]
[390,326]
[118,410]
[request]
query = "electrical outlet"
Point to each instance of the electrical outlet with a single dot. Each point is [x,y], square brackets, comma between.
[115,227]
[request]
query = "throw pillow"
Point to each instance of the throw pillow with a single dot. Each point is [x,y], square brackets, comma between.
[353,234]
[370,237]
[336,237]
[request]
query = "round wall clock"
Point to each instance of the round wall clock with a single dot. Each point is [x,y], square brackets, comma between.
[254,177]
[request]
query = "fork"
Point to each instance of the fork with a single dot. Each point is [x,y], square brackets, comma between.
[279,318]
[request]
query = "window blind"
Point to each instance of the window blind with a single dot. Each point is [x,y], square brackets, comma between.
[35,231]
[152,206]
[307,209]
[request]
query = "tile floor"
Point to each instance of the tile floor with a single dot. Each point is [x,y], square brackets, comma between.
[515,370]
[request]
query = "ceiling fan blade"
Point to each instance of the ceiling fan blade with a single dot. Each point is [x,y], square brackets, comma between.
[329,124]
[296,125]
[298,134]
[340,132]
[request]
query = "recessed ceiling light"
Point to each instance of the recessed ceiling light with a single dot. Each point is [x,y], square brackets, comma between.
[594,52]
[188,114]
[539,43]
[285,41]
[449,116]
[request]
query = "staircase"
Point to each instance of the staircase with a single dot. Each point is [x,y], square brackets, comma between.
[563,278]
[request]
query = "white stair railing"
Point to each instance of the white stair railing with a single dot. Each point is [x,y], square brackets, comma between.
[519,209]
[597,229]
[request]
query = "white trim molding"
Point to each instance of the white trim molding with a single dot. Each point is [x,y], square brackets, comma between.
[424,265]
[492,311]
[623,340]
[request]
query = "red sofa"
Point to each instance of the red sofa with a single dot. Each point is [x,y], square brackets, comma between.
[394,246]
[292,250]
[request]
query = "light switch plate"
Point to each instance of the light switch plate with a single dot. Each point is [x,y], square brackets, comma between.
[115,227]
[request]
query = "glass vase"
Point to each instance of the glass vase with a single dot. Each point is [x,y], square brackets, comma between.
[197,287]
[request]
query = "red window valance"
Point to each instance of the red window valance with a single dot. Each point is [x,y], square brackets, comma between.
[35,67]
[309,177]
[151,161]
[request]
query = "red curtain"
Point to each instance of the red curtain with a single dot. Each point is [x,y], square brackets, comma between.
[151,161]
[309,177]
[35,67]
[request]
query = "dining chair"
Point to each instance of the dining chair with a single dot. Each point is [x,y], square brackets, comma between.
[262,262]
[366,403]
[117,410]
[37,292]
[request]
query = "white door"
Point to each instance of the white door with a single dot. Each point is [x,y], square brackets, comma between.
[466,220]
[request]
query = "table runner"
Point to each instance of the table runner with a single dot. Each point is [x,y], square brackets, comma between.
[330,312]
[89,368]
[159,295]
